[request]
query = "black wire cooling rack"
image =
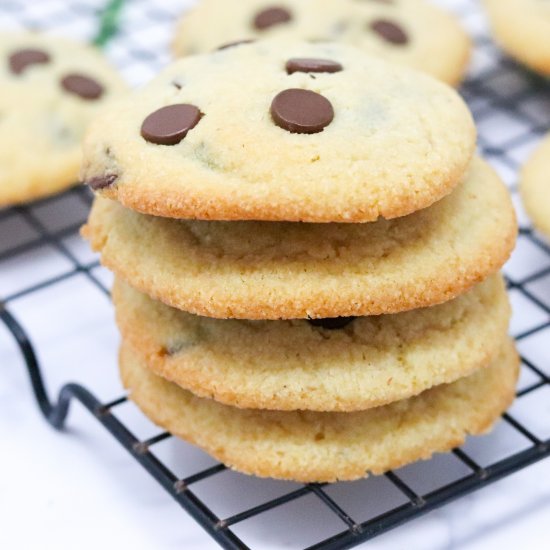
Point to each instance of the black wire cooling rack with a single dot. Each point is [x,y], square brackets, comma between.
[512,110]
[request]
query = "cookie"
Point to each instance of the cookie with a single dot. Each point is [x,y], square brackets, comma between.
[257,133]
[330,446]
[259,270]
[411,32]
[51,89]
[535,187]
[361,363]
[522,28]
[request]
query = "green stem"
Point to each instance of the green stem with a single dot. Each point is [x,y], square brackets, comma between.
[108,24]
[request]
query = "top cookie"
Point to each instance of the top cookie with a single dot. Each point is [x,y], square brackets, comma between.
[282,132]
[411,32]
[522,28]
[51,89]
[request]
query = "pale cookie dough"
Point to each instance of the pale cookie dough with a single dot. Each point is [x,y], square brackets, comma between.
[535,187]
[327,447]
[293,365]
[51,89]
[522,28]
[259,270]
[246,134]
[411,32]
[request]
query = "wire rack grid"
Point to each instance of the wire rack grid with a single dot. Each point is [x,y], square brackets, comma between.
[512,110]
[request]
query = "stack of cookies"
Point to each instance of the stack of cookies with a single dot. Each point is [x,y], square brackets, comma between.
[306,252]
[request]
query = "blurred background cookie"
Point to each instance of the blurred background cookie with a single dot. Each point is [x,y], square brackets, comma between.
[535,187]
[411,32]
[51,89]
[522,28]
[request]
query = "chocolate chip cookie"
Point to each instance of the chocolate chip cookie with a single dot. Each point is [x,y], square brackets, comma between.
[267,270]
[522,28]
[282,132]
[535,187]
[325,447]
[51,89]
[411,32]
[343,364]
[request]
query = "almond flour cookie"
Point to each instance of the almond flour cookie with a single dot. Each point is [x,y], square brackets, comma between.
[327,447]
[522,28]
[282,132]
[535,187]
[330,365]
[259,270]
[410,32]
[51,89]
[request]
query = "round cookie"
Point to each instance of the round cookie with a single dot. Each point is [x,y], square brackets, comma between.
[411,32]
[327,447]
[295,365]
[51,89]
[535,187]
[232,135]
[259,270]
[522,28]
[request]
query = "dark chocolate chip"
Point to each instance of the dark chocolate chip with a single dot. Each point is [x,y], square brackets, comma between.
[173,349]
[271,16]
[391,32]
[235,43]
[21,59]
[311,65]
[101,182]
[82,86]
[301,111]
[335,323]
[170,124]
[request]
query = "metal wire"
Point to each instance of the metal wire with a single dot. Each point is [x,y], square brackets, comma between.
[495,100]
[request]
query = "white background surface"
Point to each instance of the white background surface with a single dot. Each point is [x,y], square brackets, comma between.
[79,489]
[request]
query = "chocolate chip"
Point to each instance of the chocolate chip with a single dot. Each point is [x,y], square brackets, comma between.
[82,86]
[271,16]
[101,182]
[173,349]
[390,31]
[170,124]
[311,65]
[21,59]
[335,323]
[235,43]
[301,111]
